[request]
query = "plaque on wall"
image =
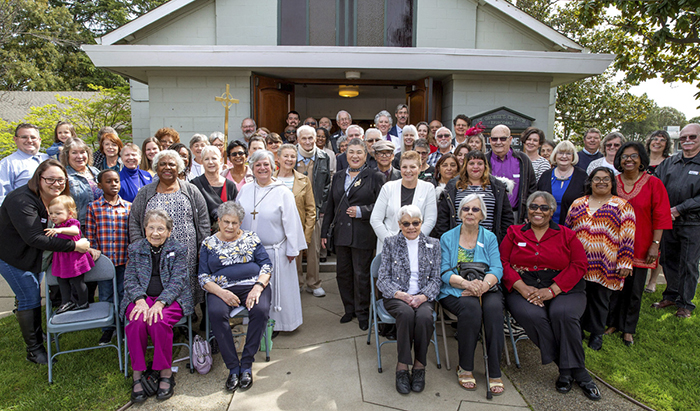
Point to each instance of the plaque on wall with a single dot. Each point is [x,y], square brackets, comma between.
[503,115]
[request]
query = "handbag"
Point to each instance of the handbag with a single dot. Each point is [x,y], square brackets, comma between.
[475,271]
[201,355]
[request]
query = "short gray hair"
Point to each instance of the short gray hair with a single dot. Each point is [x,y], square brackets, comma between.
[261,155]
[211,150]
[158,214]
[216,135]
[612,136]
[306,128]
[172,154]
[410,210]
[231,208]
[337,116]
[400,106]
[469,198]
[198,138]
[362,131]
[286,147]
[551,201]
[373,130]
[386,114]
[358,142]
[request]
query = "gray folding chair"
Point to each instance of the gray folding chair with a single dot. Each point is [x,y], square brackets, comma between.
[98,315]
[513,339]
[379,315]
[185,322]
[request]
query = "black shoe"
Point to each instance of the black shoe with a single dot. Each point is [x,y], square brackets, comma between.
[165,393]
[564,384]
[590,390]
[233,382]
[346,318]
[628,343]
[69,306]
[595,343]
[106,337]
[418,380]
[82,306]
[403,382]
[274,334]
[138,396]
[246,380]
[38,356]
[322,260]
[364,325]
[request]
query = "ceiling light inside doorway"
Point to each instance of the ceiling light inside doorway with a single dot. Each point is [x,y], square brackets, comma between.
[349,91]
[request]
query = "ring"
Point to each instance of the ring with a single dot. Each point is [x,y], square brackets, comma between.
[539,298]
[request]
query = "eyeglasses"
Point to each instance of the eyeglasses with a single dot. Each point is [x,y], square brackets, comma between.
[690,137]
[372,140]
[407,224]
[290,132]
[474,210]
[236,153]
[562,154]
[310,123]
[658,139]
[611,145]
[51,181]
[542,207]
[159,229]
[227,223]
[629,157]
[422,153]
[504,138]
[384,153]
[597,180]
[443,136]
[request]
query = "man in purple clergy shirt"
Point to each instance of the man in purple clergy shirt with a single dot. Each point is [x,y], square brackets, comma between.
[513,165]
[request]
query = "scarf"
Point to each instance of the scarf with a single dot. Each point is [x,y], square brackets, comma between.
[307,154]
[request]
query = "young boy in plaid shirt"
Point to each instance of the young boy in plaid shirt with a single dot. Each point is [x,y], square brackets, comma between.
[107,228]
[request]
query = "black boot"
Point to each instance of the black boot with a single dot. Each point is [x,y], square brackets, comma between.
[31,332]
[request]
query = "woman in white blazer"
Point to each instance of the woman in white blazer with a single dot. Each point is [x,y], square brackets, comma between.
[395,194]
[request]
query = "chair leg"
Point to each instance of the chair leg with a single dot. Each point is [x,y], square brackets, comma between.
[444,336]
[48,354]
[126,358]
[189,346]
[512,341]
[435,343]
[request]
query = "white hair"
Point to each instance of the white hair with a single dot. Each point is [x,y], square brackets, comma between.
[386,114]
[410,210]
[355,126]
[211,150]
[261,155]
[172,154]
[337,116]
[306,128]
[469,198]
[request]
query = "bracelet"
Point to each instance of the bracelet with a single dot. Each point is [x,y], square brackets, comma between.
[657,242]
[260,284]
[551,291]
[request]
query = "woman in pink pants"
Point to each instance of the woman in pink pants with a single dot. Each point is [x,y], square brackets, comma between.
[156,296]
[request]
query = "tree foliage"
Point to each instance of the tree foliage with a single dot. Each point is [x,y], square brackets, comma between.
[656,119]
[110,107]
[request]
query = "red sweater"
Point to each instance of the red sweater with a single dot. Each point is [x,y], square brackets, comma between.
[558,249]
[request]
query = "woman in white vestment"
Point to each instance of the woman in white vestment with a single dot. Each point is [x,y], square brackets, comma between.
[271,213]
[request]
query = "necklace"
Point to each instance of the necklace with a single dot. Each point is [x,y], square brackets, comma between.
[255,204]
[354,170]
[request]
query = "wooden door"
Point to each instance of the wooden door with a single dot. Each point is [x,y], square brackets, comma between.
[272,100]
[424,99]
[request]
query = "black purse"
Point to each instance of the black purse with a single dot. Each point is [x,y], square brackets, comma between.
[475,271]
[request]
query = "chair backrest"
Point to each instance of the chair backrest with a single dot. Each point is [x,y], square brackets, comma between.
[374,270]
[103,270]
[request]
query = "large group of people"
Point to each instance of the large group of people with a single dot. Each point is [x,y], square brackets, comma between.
[560,239]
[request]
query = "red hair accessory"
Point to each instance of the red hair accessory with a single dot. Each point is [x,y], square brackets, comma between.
[478,128]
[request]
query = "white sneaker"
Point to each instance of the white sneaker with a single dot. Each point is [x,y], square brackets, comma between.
[318,292]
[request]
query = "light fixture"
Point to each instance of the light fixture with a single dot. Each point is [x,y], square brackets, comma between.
[349,91]
[352,75]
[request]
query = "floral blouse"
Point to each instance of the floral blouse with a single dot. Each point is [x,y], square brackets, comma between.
[229,263]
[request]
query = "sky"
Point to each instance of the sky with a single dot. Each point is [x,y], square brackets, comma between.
[680,96]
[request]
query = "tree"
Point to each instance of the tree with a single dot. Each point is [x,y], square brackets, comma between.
[695,120]
[656,38]
[656,119]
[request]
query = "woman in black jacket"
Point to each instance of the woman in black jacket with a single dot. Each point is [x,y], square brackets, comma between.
[564,181]
[475,178]
[23,219]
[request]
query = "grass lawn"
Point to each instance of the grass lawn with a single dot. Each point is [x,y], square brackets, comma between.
[662,368]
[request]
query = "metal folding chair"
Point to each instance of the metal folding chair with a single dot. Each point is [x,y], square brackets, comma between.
[185,322]
[513,340]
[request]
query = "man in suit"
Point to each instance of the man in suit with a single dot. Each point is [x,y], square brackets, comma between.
[343,119]
[384,154]
[401,121]
[513,165]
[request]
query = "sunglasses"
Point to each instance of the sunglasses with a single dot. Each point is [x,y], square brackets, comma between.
[407,224]
[372,140]
[237,153]
[611,145]
[504,138]
[443,136]
[474,210]
[542,207]
[691,137]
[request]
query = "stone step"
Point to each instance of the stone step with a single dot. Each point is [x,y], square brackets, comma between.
[326,267]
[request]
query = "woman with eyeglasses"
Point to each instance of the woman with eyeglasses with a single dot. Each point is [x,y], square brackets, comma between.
[605,225]
[611,144]
[240,173]
[543,268]
[476,300]
[649,199]
[427,172]
[565,181]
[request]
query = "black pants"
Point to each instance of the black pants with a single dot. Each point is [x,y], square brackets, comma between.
[414,327]
[219,313]
[597,307]
[554,328]
[469,316]
[626,303]
[680,254]
[353,276]
[73,288]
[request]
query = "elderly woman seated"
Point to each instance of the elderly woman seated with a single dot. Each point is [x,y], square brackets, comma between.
[156,296]
[235,270]
[543,268]
[474,300]
[409,279]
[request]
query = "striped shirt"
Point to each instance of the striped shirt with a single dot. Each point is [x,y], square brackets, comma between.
[489,200]
[107,228]
[540,166]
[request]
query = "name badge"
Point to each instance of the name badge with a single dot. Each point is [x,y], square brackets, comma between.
[516,175]
[522,244]
[693,172]
[172,254]
[43,220]
[120,210]
[428,245]
[480,244]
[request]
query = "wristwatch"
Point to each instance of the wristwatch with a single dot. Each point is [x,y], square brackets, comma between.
[260,284]
[657,242]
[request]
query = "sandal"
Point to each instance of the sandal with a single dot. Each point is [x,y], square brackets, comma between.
[466,379]
[496,383]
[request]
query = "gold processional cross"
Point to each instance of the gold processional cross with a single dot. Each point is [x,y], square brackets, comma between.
[227,101]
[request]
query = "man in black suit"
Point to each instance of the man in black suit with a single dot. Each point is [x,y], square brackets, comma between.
[353,193]
[343,119]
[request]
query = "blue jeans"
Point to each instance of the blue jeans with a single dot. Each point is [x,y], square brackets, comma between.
[25,284]
[105,291]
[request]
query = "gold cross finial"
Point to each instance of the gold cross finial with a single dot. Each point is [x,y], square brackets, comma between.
[227,101]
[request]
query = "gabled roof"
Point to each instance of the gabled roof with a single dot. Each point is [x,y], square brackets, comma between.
[15,105]
[561,41]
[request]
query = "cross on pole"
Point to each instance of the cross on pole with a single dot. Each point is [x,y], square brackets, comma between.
[227,101]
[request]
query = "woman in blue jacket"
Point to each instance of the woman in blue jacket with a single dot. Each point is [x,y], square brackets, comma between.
[473,300]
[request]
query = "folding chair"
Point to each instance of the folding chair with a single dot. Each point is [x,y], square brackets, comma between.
[98,315]
[185,322]
[379,315]
[267,331]
[513,340]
